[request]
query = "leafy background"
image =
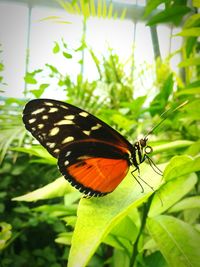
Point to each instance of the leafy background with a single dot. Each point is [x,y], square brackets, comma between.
[52,224]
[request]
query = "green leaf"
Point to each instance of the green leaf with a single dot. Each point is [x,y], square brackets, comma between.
[99,8]
[187,203]
[30,79]
[38,92]
[123,15]
[193,84]
[181,165]
[64,238]
[121,121]
[192,110]
[56,48]
[67,55]
[152,5]
[190,32]
[5,234]
[55,19]
[193,20]
[104,9]
[194,149]
[155,259]
[52,68]
[123,235]
[50,18]
[77,9]
[171,14]
[38,151]
[120,259]
[190,43]
[177,240]
[135,105]
[62,22]
[57,188]
[126,228]
[57,210]
[85,8]
[193,61]
[68,7]
[1,67]
[110,10]
[196,3]
[171,145]
[97,216]
[81,48]
[160,100]
[191,91]
[171,192]
[92,8]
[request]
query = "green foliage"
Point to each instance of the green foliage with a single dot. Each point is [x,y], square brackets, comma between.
[176,240]
[162,98]
[52,224]
[87,8]
[173,13]
[5,234]
[12,130]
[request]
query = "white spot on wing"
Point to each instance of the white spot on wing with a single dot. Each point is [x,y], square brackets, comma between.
[48,104]
[44,117]
[56,150]
[96,127]
[37,111]
[51,145]
[66,162]
[64,107]
[40,126]
[54,131]
[53,110]
[69,117]
[32,120]
[68,153]
[63,122]
[86,132]
[68,139]
[83,114]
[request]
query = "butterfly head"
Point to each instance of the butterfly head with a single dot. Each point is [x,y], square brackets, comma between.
[142,150]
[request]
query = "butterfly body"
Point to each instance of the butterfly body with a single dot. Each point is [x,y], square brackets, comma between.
[91,155]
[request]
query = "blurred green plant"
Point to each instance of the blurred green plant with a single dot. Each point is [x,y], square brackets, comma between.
[127,227]
[12,130]
[88,8]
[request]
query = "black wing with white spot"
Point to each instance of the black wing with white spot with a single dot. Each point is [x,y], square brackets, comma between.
[56,124]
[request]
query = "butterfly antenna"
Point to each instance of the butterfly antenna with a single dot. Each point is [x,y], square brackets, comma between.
[165,114]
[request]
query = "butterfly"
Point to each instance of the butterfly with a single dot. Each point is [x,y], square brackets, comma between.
[91,155]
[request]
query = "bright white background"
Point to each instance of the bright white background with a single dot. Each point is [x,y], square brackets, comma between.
[101,34]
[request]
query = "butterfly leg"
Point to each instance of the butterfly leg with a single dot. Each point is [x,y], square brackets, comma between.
[154,166]
[140,178]
[137,169]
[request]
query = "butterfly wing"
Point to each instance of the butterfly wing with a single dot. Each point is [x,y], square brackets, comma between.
[91,155]
[55,124]
[93,167]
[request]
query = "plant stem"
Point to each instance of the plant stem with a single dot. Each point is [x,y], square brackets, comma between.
[146,207]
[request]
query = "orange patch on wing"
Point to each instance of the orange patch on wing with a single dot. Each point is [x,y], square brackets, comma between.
[100,174]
